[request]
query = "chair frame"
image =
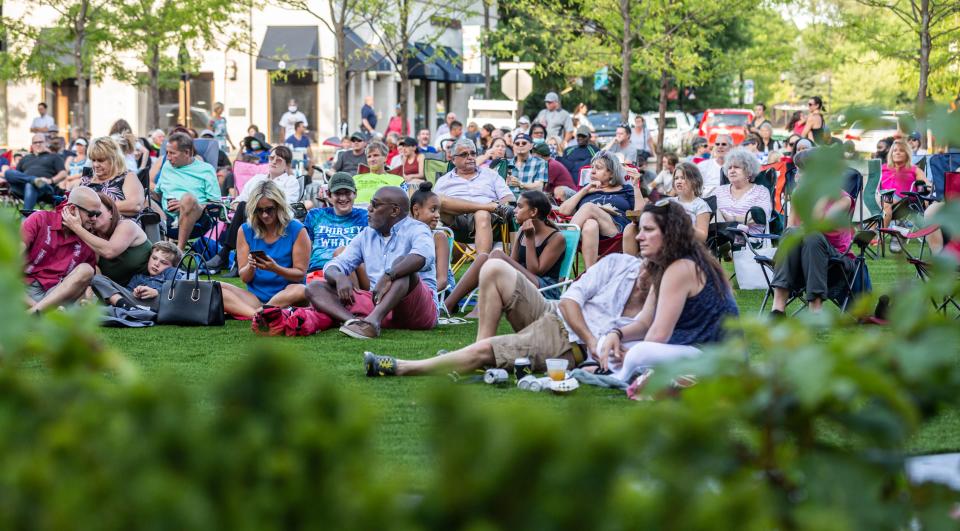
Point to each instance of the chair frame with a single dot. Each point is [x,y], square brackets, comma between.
[862,240]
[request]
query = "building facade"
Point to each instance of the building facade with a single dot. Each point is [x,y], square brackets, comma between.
[293,59]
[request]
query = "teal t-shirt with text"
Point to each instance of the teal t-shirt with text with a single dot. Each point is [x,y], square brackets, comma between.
[328,231]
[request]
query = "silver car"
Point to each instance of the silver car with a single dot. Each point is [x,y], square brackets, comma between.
[865,137]
[680,130]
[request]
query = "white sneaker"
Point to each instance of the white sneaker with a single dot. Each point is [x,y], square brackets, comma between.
[895,245]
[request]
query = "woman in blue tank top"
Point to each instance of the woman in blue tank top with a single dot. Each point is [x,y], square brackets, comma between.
[689,296]
[273,251]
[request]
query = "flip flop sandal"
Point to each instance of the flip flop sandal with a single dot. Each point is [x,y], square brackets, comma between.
[591,363]
[451,321]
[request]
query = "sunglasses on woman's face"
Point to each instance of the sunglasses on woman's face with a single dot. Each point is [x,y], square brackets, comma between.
[268,211]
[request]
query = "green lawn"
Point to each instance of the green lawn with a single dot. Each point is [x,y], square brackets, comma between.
[198,356]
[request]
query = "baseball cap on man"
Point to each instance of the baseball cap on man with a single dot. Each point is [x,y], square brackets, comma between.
[583,131]
[357,136]
[551,97]
[523,120]
[523,136]
[342,181]
[915,136]
[542,149]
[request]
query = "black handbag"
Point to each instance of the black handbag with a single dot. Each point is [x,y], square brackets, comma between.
[191,301]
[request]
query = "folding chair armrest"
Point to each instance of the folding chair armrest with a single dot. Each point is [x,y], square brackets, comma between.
[557,285]
[763,260]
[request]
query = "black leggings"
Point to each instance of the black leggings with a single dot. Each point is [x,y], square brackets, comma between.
[230,236]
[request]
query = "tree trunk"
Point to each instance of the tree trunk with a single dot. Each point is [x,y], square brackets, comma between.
[404,33]
[343,82]
[153,93]
[402,95]
[662,108]
[925,46]
[80,35]
[625,56]
[81,79]
[486,56]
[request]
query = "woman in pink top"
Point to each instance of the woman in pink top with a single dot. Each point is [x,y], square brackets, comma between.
[898,174]
[806,265]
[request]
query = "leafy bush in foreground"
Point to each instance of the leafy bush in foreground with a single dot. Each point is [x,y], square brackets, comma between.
[812,435]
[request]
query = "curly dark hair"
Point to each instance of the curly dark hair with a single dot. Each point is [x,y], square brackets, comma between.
[679,243]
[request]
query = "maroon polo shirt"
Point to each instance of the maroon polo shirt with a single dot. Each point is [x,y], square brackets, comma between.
[557,175]
[52,250]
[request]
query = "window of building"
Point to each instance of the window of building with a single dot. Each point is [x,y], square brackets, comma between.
[299,85]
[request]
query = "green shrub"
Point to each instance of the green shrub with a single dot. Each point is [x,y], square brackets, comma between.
[812,434]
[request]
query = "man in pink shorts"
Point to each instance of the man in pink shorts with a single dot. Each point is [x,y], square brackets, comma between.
[398,254]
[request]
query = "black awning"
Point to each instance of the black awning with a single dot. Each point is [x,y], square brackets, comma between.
[419,66]
[361,57]
[451,73]
[456,60]
[290,48]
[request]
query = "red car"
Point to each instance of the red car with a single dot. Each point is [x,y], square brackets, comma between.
[731,122]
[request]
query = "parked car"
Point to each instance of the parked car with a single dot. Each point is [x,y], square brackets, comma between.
[169,112]
[679,132]
[731,122]
[866,133]
[605,124]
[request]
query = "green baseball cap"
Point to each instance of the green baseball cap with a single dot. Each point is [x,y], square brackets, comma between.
[342,181]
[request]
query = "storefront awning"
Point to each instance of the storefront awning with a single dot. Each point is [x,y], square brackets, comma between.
[420,66]
[290,48]
[451,73]
[361,57]
[454,58]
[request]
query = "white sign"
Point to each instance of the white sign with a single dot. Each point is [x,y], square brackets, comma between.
[516,84]
[472,54]
[516,66]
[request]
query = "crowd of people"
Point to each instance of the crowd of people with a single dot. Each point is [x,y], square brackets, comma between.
[374,247]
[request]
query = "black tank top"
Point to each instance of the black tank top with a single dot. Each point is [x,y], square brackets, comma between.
[554,272]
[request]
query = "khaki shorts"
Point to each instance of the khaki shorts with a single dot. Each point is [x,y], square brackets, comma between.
[464,226]
[540,333]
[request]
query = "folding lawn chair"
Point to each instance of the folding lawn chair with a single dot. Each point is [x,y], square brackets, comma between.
[843,285]
[947,301]
[441,296]
[571,236]
[435,165]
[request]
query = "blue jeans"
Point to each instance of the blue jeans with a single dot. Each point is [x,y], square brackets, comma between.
[22,186]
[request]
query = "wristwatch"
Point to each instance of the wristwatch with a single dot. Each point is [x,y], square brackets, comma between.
[389,273]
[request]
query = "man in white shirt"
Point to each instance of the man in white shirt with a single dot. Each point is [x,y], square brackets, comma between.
[290,118]
[712,169]
[607,296]
[43,123]
[444,128]
[446,140]
[641,138]
[473,200]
